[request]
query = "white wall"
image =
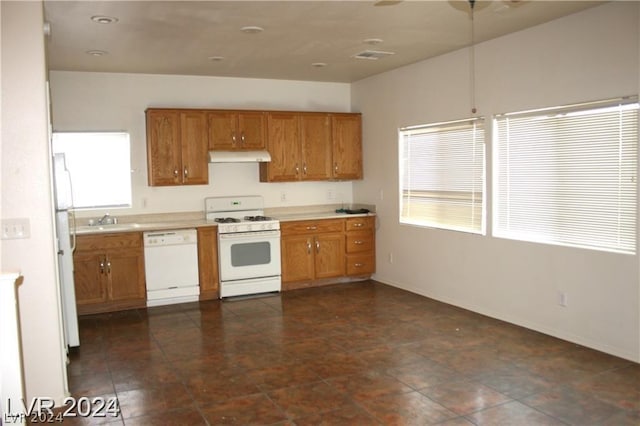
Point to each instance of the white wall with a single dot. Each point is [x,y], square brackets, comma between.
[26,193]
[108,101]
[587,56]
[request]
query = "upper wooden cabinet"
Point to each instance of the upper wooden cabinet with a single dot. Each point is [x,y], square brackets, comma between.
[312,146]
[177,147]
[236,130]
[347,146]
[283,133]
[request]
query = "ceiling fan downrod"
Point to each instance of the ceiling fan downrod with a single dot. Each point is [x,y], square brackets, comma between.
[472,61]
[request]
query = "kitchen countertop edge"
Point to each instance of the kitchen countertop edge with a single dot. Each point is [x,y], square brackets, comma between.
[123,227]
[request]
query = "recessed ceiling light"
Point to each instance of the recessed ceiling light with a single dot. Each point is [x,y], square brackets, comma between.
[251,29]
[319,64]
[216,58]
[96,52]
[101,19]
[373,41]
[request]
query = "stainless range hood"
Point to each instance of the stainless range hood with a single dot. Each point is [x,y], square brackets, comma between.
[239,157]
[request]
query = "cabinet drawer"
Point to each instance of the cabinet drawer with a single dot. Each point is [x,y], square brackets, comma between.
[359,241]
[361,264]
[109,241]
[312,226]
[360,223]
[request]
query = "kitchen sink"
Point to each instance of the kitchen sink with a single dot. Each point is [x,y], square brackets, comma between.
[110,228]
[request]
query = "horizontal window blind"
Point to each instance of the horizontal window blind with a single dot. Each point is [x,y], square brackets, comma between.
[442,170]
[567,176]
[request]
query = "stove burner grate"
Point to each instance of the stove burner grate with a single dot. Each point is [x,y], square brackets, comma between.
[227,220]
[257,218]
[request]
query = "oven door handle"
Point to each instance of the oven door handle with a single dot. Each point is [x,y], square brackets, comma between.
[249,235]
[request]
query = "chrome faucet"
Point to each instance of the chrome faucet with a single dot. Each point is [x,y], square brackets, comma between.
[104,218]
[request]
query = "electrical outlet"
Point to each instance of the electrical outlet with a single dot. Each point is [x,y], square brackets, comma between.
[283,196]
[13,229]
[562,299]
[331,194]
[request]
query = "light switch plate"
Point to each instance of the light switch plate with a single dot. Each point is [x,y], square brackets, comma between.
[13,229]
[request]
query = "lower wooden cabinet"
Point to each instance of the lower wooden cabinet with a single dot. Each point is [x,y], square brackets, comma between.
[109,272]
[316,250]
[311,250]
[208,262]
[361,246]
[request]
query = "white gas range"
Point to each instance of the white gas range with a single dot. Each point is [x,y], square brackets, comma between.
[248,245]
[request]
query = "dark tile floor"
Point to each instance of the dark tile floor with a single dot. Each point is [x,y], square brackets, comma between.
[356,354]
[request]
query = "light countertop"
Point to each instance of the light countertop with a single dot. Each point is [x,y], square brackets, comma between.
[187,220]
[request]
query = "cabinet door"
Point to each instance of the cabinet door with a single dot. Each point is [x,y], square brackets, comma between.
[284,147]
[297,258]
[208,262]
[89,274]
[223,132]
[164,153]
[125,269]
[315,146]
[347,146]
[252,128]
[329,255]
[193,135]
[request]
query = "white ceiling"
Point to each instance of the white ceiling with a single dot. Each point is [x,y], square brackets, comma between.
[179,37]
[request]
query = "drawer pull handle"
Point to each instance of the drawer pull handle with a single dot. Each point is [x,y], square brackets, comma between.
[311,228]
[308,247]
[358,225]
[102,266]
[186,173]
[317,246]
[358,265]
[175,172]
[358,242]
[233,138]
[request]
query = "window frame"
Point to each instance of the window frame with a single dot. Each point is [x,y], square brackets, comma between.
[110,204]
[479,124]
[571,110]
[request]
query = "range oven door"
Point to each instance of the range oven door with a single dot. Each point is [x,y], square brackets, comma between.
[248,255]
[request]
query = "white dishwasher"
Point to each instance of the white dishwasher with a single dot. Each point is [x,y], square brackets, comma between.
[171,266]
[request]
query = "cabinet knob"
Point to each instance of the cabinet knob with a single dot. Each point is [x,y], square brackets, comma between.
[233,138]
[308,247]
[175,172]
[297,169]
[335,167]
[102,266]
[317,246]
[304,168]
[108,266]
[242,138]
[185,173]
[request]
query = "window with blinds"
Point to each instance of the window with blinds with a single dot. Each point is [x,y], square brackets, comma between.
[442,175]
[567,176]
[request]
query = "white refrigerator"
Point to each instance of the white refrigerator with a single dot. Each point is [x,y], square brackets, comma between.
[66,245]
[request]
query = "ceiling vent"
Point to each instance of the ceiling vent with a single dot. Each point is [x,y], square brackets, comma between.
[372,54]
